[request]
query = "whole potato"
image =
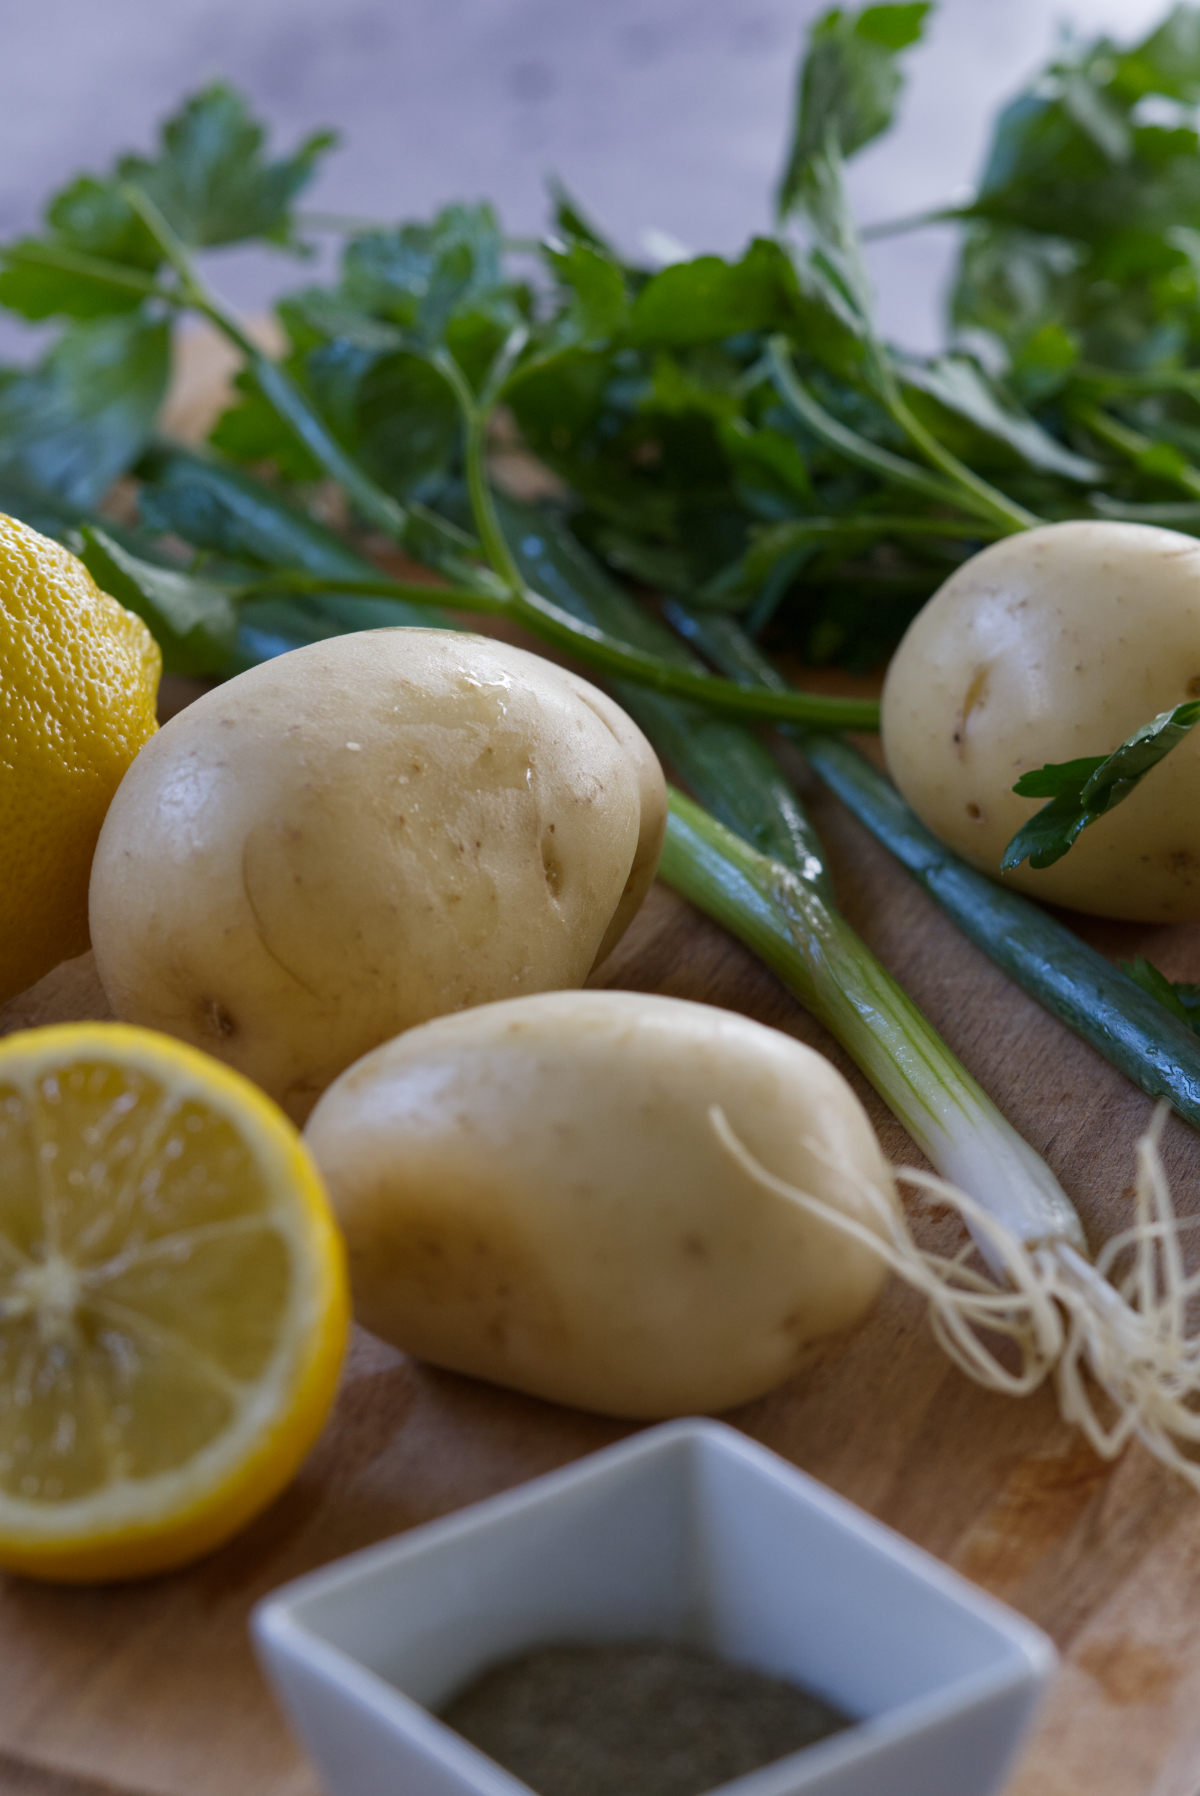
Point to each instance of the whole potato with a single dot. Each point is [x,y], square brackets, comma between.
[1050,646]
[533,1192]
[363,834]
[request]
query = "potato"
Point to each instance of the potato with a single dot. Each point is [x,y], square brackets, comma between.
[533,1192]
[363,834]
[1050,646]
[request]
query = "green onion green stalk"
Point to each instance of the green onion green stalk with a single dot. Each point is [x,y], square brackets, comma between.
[790,925]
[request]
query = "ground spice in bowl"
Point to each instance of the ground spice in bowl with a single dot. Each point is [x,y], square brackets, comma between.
[636,1718]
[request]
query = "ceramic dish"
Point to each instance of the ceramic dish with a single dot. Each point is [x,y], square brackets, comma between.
[688,1531]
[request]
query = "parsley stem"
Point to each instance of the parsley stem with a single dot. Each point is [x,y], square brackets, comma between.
[276,385]
[475,416]
[596,647]
[1155,380]
[913,221]
[847,442]
[989,502]
[1160,459]
[411,592]
[884,523]
[602,652]
[953,483]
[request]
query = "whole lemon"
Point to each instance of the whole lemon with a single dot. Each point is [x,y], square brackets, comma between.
[78,680]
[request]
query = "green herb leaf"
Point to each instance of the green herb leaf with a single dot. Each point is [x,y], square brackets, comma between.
[222,509]
[1068,156]
[1014,283]
[211,180]
[1044,363]
[1082,791]
[44,280]
[767,459]
[45,512]
[83,417]
[97,257]
[1167,62]
[1182,1000]
[571,222]
[420,276]
[193,621]
[960,386]
[848,86]
[253,431]
[709,298]
[314,317]
[597,308]
[406,423]
[94,218]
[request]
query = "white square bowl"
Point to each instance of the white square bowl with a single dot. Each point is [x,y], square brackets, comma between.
[686,1532]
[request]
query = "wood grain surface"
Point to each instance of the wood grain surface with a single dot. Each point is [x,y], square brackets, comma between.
[152,1689]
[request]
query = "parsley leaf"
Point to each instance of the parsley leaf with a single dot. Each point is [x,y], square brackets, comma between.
[80,419]
[1082,791]
[958,385]
[211,180]
[193,621]
[422,276]
[710,298]
[848,86]
[593,286]
[224,510]
[1181,999]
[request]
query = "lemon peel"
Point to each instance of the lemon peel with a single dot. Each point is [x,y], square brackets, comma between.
[78,679]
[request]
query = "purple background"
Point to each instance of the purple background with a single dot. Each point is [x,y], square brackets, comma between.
[668,115]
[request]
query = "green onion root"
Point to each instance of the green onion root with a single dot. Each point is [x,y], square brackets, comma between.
[1117,1342]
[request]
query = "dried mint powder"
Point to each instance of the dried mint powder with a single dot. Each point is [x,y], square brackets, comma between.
[637,1718]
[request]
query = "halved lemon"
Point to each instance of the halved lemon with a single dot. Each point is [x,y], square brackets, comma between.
[173,1302]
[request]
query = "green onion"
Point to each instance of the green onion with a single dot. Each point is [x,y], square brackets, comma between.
[806,941]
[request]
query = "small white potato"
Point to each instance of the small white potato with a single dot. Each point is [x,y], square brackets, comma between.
[363,834]
[533,1192]
[1050,646]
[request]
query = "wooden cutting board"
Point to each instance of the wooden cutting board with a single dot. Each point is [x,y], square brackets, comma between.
[152,1689]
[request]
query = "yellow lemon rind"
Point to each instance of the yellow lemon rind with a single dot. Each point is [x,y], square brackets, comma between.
[79,673]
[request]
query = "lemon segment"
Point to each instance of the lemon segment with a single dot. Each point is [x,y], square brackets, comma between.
[78,679]
[173,1302]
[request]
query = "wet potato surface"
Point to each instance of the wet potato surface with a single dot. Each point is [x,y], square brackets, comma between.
[364,834]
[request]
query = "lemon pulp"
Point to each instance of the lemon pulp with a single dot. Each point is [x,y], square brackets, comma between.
[172,1301]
